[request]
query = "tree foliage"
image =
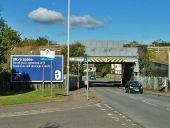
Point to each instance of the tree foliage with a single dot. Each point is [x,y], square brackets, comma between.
[103,68]
[160,43]
[40,41]
[144,61]
[144,58]
[8,39]
[76,50]
[132,44]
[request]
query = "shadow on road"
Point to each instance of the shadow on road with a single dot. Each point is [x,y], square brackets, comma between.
[104,84]
[51,125]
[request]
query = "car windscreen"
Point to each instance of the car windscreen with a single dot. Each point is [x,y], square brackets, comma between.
[135,83]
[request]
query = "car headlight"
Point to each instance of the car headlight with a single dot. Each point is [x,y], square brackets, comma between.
[131,87]
[141,87]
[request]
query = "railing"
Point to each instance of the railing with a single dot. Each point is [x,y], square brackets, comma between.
[152,82]
[159,49]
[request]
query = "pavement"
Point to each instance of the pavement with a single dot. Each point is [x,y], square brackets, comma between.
[156,92]
[76,99]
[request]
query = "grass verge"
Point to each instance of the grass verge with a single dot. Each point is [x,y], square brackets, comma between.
[13,98]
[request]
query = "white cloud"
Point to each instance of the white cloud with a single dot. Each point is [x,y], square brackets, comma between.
[86,21]
[44,15]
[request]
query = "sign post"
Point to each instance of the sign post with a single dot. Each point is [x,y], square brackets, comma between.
[51,79]
[43,81]
[47,54]
[87,75]
[31,68]
[168,67]
[87,80]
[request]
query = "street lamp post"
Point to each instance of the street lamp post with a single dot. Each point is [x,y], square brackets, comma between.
[68,47]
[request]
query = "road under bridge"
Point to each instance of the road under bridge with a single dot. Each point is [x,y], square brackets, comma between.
[112,52]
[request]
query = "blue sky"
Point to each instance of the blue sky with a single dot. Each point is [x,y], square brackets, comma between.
[140,20]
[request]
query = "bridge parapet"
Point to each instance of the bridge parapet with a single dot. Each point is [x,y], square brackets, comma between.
[109,48]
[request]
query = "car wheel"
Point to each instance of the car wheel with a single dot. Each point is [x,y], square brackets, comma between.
[128,90]
[141,92]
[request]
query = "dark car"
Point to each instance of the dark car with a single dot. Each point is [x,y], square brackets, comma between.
[133,86]
[93,77]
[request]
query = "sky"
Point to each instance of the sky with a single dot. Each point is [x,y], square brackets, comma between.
[141,20]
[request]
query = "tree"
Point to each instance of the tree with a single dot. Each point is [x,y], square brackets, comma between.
[132,44]
[144,61]
[41,41]
[160,43]
[103,69]
[8,39]
[144,58]
[76,50]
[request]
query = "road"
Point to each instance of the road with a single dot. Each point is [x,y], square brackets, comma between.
[93,116]
[117,110]
[148,110]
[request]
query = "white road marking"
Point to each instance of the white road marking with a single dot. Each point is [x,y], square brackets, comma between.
[111,108]
[168,109]
[108,106]
[148,102]
[123,116]
[133,124]
[98,105]
[117,119]
[128,120]
[109,114]
[116,112]
[123,124]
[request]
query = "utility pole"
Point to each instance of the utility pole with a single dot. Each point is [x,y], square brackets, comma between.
[68,49]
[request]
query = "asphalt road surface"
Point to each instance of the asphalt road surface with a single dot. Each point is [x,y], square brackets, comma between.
[117,110]
[93,116]
[150,111]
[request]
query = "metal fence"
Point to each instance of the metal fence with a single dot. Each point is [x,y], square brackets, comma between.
[6,85]
[152,82]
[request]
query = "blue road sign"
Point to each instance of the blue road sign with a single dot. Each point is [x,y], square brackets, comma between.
[29,68]
[85,59]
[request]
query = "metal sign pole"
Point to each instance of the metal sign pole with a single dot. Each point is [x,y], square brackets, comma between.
[87,80]
[43,80]
[78,76]
[168,67]
[51,81]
